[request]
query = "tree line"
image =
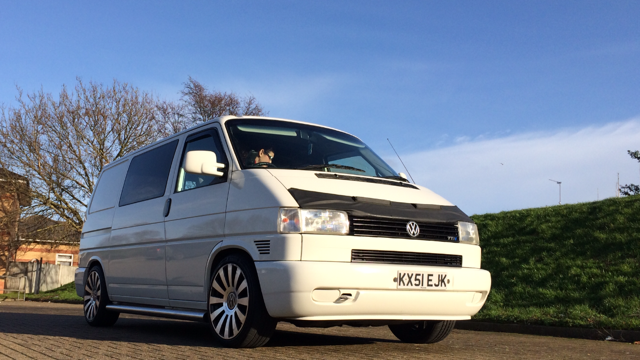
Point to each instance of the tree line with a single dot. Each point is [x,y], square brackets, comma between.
[58,145]
[631,189]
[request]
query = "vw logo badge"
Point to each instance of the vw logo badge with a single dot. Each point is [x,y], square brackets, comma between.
[232,300]
[413,229]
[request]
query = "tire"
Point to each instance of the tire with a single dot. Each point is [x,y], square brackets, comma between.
[236,310]
[96,299]
[424,332]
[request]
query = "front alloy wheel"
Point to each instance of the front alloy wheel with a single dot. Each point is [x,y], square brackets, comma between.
[229,301]
[236,310]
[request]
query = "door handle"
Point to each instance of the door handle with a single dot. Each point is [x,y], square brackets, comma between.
[167,207]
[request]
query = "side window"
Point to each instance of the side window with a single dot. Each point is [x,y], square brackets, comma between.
[148,174]
[109,186]
[209,141]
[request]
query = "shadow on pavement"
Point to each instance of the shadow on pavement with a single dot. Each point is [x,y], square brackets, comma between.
[292,338]
[153,331]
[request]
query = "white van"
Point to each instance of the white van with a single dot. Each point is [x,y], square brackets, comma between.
[246,221]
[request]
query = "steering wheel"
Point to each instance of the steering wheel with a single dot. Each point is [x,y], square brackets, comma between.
[263,164]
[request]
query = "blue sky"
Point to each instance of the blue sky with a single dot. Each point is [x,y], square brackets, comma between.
[457,86]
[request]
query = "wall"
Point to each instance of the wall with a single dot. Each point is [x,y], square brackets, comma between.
[51,276]
[26,253]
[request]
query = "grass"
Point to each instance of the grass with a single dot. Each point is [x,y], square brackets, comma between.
[568,265]
[65,293]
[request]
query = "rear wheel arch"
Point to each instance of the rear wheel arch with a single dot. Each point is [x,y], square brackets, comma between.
[94,261]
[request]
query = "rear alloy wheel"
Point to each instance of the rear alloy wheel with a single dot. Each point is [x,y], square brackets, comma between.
[96,298]
[236,309]
[423,332]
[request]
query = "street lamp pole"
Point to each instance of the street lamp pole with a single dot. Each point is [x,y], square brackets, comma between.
[559,190]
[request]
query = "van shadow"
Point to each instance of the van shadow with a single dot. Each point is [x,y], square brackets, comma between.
[154,331]
[284,338]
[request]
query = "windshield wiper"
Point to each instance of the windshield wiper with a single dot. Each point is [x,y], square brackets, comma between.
[330,166]
[396,178]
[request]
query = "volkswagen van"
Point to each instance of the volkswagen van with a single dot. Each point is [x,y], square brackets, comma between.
[246,221]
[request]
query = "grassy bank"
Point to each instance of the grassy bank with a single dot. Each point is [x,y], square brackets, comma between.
[65,293]
[567,265]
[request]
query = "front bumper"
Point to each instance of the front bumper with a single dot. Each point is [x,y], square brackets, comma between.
[315,290]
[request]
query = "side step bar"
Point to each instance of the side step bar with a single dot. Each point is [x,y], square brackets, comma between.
[168,313]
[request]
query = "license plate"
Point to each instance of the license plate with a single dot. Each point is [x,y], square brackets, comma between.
[424,280]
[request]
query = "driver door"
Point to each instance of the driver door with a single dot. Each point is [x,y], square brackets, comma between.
[195,221]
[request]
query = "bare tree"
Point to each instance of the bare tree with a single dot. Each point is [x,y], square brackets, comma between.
[62,144]
[201,105]
[171,117]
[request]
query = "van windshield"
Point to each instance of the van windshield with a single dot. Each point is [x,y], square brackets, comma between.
[286,145]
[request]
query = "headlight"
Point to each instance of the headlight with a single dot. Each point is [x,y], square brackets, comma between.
[313,221]
[468,233]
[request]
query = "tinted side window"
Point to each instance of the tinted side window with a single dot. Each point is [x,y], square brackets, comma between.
[148,174]
[110,183]
[207,140]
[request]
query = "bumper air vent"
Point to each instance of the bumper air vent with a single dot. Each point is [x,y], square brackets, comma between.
[397,228]
[264,246]
[405,258]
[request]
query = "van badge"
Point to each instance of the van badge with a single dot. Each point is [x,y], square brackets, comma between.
[413,229]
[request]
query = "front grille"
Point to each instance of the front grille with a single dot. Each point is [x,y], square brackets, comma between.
[397,228]
[405,258]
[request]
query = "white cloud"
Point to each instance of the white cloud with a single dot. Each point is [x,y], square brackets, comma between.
[513,172]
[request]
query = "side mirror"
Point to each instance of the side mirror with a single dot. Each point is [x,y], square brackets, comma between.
[403,175]
[202,162]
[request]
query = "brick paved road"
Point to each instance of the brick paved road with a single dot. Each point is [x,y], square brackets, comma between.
[44,330]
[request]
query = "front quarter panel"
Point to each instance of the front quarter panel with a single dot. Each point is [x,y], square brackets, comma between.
[255,189]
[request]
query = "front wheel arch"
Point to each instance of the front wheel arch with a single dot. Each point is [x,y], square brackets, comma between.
[221,250]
